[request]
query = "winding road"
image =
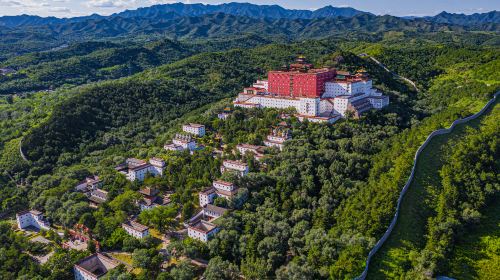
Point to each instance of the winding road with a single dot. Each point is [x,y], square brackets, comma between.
[393,73]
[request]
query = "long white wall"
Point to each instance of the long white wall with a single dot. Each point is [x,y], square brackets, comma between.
[408,182]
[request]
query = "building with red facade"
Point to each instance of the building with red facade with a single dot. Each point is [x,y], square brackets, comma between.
[318,94]
[309,83]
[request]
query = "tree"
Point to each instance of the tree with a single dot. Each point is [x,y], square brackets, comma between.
[91,246]
[161,217]
[61,263]
[118,273]
[183,271]
[187,211]
[147,259]
[125,202]
[219,269]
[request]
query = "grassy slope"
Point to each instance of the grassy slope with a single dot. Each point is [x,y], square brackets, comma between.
[409,234]
[477,253]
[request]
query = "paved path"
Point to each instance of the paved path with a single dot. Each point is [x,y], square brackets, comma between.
[23,156]
[393,73]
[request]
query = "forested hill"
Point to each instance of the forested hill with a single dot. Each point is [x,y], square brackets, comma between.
[240,9]
[91,61]
[18,40]
[25,33]
[461,19]
[134,104]
[220,24]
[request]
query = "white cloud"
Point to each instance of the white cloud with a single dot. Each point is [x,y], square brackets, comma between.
[60,1]
[157,2]
[111,3]
[60,10]
[10,3]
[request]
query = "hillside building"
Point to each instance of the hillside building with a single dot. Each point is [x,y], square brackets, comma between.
[136,229]
[318,95]
[180,143]
[202,230]
[200,226]
[136,169]
[236,166]
[219,188]
[89,183]
[195,129]
[225,114]
[94,267]
[151,199]
[32,219]
[257,151]
[261,84]
[213,211]
[278,137]
[97,197]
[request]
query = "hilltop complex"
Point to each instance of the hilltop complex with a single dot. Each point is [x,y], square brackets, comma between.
[318,94]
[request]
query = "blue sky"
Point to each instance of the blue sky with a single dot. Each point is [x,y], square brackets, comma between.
[70,8]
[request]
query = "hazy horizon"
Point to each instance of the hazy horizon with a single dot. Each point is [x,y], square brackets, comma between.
[74,8]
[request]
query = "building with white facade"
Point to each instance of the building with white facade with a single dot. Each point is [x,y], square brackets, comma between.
[278,137]
[213,211]
[207,196]
[89,183]
[219,188]
[151,199]
[33,219]
[195,129]
[236,166]
[136,169]
[135,229]
[257,151]
[180,143]
[261,84]
[94,267]
[97,197]
[202,230]
[225,114]
[318,95]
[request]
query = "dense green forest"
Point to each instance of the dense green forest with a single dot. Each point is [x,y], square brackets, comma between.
[312,211]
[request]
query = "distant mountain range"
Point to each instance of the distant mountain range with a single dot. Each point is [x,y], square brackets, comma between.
[24,33]
[469,20]
[240,9]
[220,24]
[177,10]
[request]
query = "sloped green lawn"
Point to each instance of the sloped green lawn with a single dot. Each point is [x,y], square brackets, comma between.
[408,236]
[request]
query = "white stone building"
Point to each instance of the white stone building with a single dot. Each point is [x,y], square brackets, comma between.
[202,230]
[180,143]
[213,211]
[89,183]
[236,166]
[135,229]
[32,218]
[195,129]
[278,137]
[97,197]
[261,84]
[225,114]
[219,188]
[136,169]
[207,196]
[94,267]
[258,151]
